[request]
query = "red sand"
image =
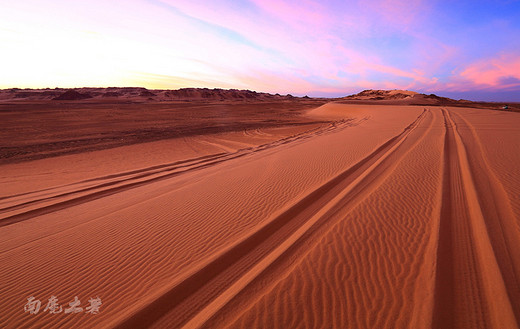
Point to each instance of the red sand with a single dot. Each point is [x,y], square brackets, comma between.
[386,217]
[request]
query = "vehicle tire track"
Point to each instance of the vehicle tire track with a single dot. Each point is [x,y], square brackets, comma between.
[194,298]
[78,193]
[498,214]
[470,290]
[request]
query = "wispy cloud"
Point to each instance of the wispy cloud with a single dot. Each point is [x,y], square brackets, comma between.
[302,47]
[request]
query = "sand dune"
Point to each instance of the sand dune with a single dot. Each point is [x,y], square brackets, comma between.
[359,216]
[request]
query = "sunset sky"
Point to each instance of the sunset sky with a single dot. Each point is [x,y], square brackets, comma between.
[459,49]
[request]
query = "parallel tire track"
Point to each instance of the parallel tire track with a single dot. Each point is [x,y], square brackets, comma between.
[498,214]
[194,298]
[51,200]
[470,290]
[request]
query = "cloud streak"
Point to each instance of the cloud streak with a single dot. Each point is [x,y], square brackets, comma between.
[302,47]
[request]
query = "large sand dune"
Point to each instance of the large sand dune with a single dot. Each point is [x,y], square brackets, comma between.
[358,216]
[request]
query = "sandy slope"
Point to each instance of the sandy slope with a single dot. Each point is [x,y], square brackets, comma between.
[389,217]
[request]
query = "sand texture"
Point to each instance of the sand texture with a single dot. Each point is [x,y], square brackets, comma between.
[335,216]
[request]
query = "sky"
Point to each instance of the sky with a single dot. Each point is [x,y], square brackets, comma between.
[459,49]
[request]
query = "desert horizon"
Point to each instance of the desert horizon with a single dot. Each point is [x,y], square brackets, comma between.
[101,101]
[254,164]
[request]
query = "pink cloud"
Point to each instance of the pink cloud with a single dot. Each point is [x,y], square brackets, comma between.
[494,74]
[497,73]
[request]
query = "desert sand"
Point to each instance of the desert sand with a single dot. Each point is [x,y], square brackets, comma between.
[289,214]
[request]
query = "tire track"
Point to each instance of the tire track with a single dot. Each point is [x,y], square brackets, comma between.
[16,208]
[469,288]
[193,299]
[286,274]
[498,214]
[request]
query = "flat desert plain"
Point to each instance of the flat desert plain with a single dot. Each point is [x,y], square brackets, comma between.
[272,214]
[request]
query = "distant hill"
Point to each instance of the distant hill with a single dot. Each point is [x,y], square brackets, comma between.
[139,94]
[402,97]
[71,95]
[136,93]
[371,94]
